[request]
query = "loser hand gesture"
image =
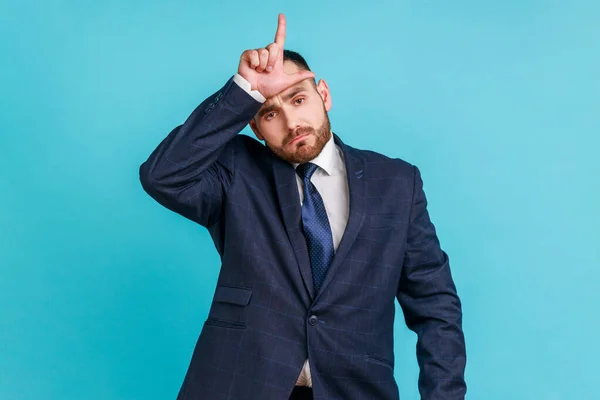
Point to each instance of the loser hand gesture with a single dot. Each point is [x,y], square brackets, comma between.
[263,68]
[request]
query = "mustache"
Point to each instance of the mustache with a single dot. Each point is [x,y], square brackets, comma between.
[301,131]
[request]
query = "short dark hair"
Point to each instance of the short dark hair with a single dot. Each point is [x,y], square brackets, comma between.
[296,58]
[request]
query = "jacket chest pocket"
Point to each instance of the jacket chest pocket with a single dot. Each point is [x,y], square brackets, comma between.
[383,221]
[229,307]
[380,228]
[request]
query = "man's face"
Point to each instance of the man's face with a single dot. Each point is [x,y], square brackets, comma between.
[294,123]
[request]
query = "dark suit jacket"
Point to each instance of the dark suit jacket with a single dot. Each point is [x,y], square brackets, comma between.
[265,318]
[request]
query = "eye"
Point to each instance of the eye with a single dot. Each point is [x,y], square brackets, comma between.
[299,100]
[270,115]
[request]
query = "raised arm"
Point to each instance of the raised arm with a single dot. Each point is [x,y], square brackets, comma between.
[192,168]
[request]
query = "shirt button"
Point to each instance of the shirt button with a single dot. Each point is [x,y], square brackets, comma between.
[313,320]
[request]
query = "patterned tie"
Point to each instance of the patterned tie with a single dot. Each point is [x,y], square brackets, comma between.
[316,226]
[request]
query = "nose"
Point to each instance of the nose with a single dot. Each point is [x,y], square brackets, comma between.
[292,121]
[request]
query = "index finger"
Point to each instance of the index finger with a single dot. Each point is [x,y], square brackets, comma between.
[280,35]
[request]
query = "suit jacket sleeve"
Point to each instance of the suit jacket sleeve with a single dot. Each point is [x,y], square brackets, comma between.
[431,306]
[193,167]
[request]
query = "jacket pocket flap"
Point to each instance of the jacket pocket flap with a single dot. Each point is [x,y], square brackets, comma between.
[227,294]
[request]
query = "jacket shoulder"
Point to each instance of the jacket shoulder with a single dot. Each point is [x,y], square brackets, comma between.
[378,161]
[248,146]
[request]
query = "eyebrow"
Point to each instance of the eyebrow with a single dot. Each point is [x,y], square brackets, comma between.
[287,97]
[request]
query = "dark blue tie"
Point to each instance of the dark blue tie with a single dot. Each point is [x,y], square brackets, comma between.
[316,226]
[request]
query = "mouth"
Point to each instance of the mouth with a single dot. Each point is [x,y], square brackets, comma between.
[299,137]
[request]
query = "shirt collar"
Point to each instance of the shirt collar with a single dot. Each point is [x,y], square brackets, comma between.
[328,159]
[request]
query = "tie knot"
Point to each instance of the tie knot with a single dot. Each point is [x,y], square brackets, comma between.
[306,170]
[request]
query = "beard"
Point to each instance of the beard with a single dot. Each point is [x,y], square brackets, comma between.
[303,152]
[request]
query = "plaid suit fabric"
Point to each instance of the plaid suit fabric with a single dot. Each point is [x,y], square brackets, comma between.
[266,317]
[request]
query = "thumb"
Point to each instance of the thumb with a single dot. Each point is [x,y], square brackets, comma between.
[299,76]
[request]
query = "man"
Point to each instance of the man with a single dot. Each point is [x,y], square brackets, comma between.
[316,238]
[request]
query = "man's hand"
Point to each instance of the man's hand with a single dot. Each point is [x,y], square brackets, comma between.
[263,68]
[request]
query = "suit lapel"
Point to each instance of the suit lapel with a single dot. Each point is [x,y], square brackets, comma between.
[357,196]
[291,210]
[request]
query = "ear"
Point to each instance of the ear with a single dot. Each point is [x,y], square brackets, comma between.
[255,129]
[323,90]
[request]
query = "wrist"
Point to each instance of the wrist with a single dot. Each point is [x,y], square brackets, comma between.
[247,87]
[245,78]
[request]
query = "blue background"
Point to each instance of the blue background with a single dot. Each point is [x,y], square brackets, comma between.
[103,292]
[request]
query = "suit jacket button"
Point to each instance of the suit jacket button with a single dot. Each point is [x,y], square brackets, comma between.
[313,320]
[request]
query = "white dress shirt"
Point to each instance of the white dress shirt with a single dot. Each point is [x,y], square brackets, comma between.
[331,182]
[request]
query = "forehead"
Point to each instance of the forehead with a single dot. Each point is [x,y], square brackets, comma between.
[290,67]
[288,93]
